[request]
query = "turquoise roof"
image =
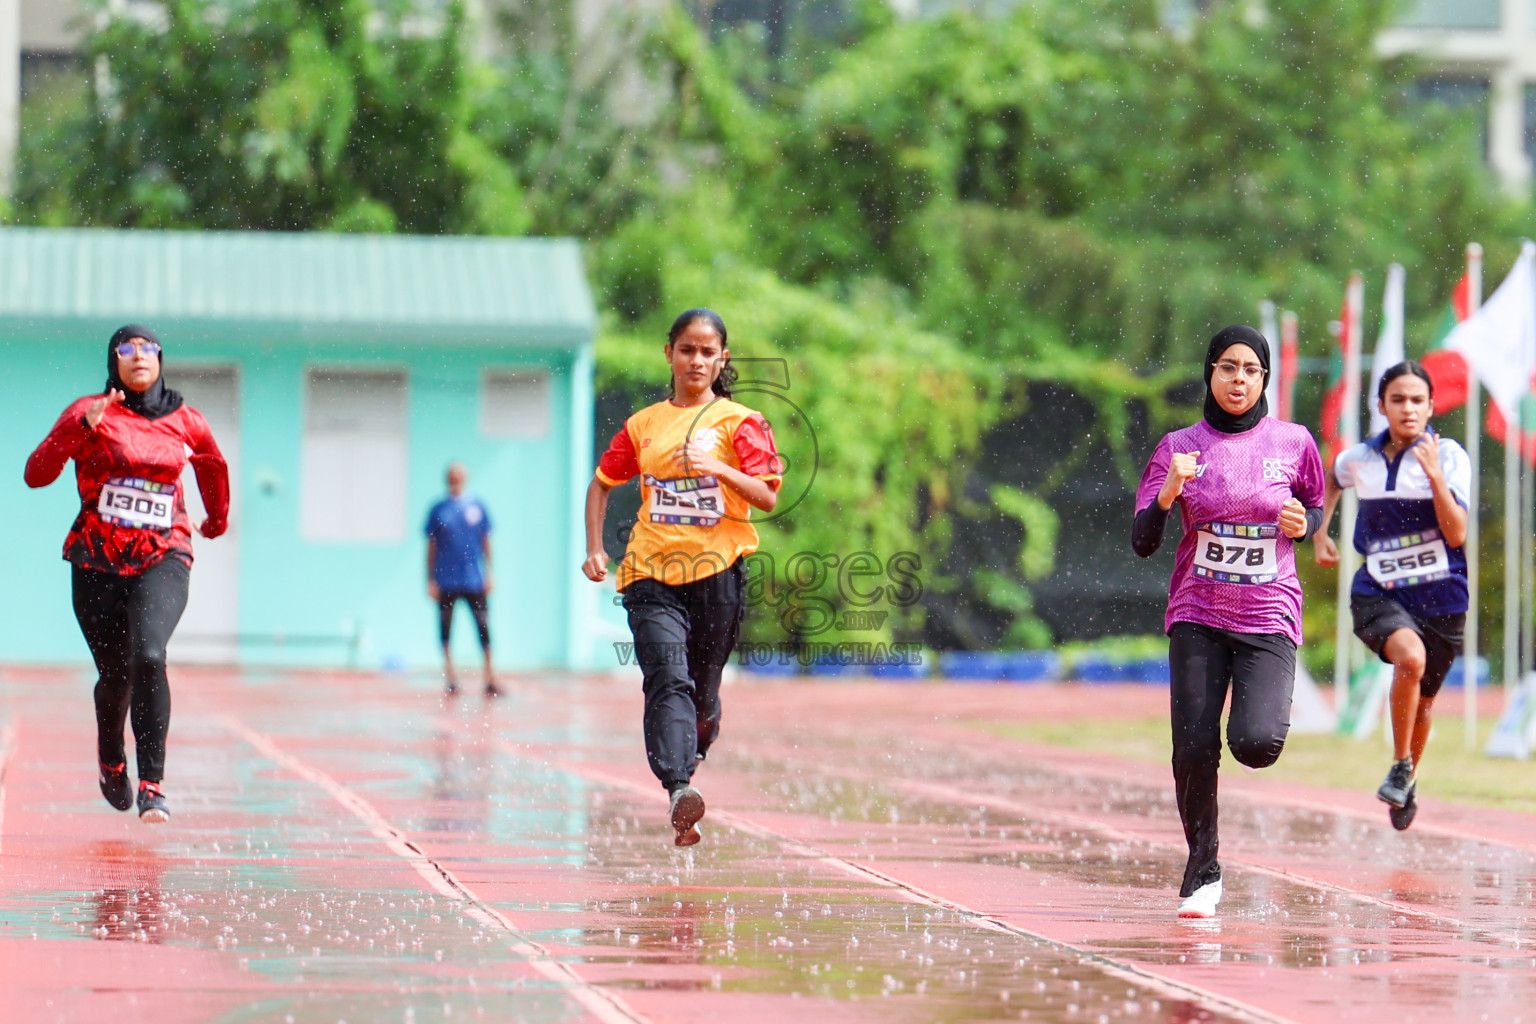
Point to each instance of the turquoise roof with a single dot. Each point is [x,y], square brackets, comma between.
[312,285]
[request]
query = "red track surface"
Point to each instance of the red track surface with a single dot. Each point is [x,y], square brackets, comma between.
[344,848]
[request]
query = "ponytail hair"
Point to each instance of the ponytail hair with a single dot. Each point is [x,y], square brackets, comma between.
[1403,369]
[726,379]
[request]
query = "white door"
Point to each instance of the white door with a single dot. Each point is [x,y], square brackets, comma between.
[210,626]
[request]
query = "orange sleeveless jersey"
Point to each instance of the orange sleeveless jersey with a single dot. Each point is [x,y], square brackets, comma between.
[690,526]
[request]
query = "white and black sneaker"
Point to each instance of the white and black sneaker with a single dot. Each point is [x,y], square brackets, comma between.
[1399,784]
[687,810]
[1202,902]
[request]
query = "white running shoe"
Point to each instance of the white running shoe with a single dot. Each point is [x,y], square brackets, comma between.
[1202,902]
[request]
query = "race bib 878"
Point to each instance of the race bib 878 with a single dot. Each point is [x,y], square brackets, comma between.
[129,501]
[1237,552]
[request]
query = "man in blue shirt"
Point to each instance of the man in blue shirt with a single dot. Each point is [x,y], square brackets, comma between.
[459,566]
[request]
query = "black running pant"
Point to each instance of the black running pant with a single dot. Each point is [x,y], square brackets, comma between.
[684,635]
[1261,670]
[477,607]
[127,621]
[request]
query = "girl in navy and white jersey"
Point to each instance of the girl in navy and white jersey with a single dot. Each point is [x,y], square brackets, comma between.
[1409,599]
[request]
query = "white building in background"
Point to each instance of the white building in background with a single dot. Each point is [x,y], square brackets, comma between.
[1482,54]
[1485,53]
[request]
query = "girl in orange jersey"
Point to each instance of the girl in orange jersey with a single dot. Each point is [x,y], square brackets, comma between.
[704,463]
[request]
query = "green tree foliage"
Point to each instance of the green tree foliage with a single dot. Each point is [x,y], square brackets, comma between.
[988,249]
[1078,196]
[281,114]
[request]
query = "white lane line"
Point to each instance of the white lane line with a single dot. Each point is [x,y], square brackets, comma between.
[954,794]
[1130,973]
[7,748]
[1042,758]
[604,1005]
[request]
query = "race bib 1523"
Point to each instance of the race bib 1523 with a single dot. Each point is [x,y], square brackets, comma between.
[128,501]
[686,500]
[1237,552]
[1409,560]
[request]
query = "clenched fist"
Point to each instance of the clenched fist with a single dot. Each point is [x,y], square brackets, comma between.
[1181,470]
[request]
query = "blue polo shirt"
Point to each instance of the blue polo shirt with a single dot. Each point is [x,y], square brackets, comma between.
[459,527]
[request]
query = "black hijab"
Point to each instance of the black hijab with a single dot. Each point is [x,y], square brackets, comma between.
[159,400]
[1215,415]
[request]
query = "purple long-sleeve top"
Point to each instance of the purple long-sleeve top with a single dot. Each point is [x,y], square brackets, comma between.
[1234,569]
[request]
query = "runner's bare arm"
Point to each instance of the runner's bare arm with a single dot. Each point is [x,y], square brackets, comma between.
[760,494]
[485,549]
[596,566]
[1324,551]
[431,567]
[1451,517]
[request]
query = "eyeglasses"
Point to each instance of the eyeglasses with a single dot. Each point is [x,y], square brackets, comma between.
[1227,372]
[127,348]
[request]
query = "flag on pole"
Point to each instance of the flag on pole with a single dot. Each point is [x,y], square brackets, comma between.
[1448,367]
[1498,427]
[1335,397]
[1499,340]
[1389,343]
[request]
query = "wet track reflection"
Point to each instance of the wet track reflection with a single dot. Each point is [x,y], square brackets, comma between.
[386,858]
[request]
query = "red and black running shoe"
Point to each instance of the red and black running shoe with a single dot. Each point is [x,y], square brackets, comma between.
[152,807]
[116,787]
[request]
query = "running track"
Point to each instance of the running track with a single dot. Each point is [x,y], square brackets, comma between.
[344,848]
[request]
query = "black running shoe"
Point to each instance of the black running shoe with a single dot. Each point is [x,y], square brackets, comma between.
[1398,785]
[492,690]
[687,809]
[1402,817]
[451,689]
[116,787]
[152,807]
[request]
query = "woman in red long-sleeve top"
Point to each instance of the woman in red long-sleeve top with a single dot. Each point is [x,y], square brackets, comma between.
[131,546]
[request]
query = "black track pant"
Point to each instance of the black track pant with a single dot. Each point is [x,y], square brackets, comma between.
[684,635]
[477,608]
[1261,670]
[127,621]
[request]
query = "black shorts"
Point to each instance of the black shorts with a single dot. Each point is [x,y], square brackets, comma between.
[1377,618]
[477,607]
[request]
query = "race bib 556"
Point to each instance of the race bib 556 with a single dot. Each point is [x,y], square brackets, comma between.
[1409,560]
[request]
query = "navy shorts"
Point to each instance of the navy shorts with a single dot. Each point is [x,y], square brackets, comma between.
[1377,618]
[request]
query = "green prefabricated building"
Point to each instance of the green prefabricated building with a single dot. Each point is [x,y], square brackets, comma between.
[341,375]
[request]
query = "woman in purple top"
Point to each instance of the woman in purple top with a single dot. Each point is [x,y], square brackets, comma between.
[1250,486]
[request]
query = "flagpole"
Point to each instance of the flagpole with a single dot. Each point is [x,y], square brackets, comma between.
[1349,417]
[1474,445]
[1512,521]
[1268,328]
[1290,348]
[1526,496]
